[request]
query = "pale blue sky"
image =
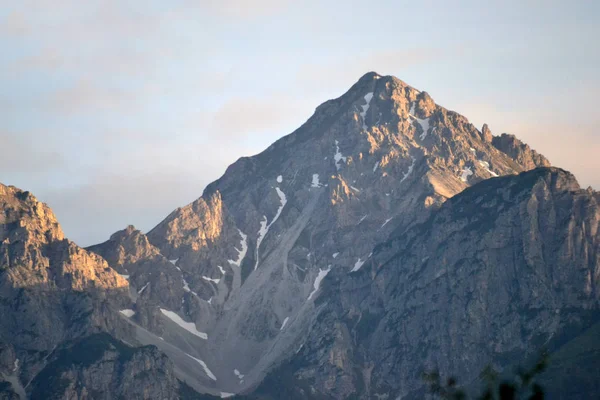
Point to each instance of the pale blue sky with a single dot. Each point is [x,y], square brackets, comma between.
[116,112]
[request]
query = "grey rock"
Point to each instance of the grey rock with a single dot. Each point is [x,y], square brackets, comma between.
[519,151]
[499,271]
[100,367]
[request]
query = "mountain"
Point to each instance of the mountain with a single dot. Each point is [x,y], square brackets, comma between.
[60,315]
[385,236]
[253,248]
[501,270]
[51,289]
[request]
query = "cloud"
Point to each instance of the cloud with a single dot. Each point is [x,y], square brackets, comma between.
[239,117]
[86,95]
[14,24]
[102,19]
[239,9]
[21,155]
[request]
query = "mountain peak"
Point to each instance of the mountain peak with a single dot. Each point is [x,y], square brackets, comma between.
[30,214]
[369,76]
[30,235]
[128,231]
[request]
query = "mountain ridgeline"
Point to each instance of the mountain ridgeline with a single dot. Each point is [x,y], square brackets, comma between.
[385,237]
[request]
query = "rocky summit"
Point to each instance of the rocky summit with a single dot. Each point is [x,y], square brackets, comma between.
[385,237]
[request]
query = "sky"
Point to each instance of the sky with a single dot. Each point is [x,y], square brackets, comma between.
[116,112]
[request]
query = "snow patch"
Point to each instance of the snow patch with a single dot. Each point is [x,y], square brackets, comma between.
[425,126]
[486,166]
[410,169]
[144,288]
[174,261]
[283,201]
[285,321]
[188,326]
[127,312]
[264,227]
[322,274]
[241,252]
[261,234]
[386,222]
[368,97]
[279,179]
[376,166]
[221,269]
[363,218]
[423,122]
[238,374]
[355,189]
[186,287]
[359,263]
[124,276]
[338,156]
[204,367]
[334,255]
[466,172]
[215,280]
[315,181]
[225,395]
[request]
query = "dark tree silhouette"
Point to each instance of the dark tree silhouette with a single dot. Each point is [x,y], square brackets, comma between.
[521,387]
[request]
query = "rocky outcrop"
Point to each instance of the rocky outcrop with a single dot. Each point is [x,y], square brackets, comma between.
[51,290]
[155,282]
[486,134]
[35,255]
[124,249]
[519,151]
[100,367]
[501,270]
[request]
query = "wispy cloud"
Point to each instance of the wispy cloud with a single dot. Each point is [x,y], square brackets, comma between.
[23,154]
[240,117]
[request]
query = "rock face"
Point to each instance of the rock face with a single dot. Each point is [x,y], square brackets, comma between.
[60,304]
[154,280]
[385,236]
[500,270]
[519,151]
[51,289]
[34,255]
[100,367]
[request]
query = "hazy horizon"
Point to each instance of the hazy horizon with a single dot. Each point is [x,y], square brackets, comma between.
[120,126]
